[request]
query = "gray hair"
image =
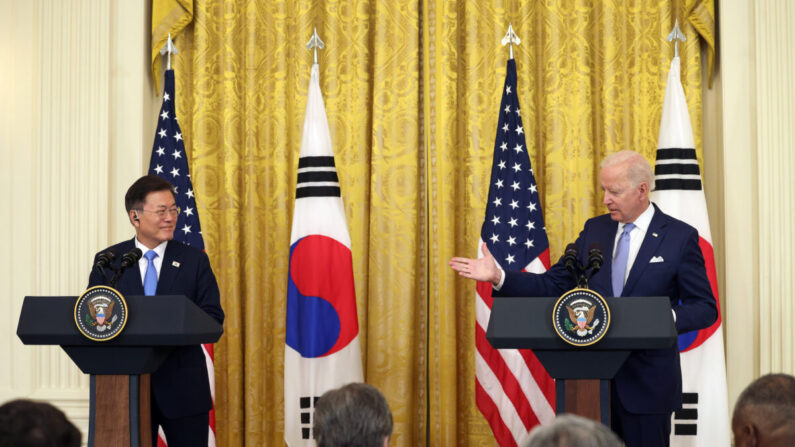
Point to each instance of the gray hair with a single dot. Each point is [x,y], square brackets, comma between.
[770,400]
[356,415]
[638,168]
[569,430]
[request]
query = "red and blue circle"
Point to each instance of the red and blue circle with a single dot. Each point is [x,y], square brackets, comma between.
[321,297]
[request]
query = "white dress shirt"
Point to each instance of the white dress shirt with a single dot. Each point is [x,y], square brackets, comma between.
[636,236]
[143,263]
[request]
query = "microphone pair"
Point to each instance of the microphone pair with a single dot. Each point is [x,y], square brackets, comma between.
[105,259]
[577,270]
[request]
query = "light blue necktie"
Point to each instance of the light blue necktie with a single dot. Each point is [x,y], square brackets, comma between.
[620,260]
[150,278]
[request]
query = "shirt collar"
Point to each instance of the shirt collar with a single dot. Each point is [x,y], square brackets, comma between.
[160,249]
[643,221]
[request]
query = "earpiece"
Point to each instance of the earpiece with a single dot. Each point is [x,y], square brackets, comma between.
[135,216]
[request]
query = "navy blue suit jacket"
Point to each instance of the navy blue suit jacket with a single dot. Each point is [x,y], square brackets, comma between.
[181,385]
[651,380]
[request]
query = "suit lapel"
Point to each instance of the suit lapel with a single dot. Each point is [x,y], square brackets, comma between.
[608,241]
[169,268]
[651,241]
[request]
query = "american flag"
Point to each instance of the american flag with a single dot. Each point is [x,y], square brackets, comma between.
[170,161]
[513,390]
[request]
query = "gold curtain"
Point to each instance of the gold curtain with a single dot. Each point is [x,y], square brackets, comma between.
[411,91]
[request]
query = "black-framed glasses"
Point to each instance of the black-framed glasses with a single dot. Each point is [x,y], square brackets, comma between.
[161,212]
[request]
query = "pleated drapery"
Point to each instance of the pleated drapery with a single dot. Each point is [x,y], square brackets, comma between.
[412,92]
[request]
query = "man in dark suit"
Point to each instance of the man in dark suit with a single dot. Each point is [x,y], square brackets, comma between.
[180,388]
[647,253]
[764,415]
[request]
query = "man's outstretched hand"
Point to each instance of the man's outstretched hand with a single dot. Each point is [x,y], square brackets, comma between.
[483,269]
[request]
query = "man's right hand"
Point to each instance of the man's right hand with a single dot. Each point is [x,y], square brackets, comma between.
[482,269]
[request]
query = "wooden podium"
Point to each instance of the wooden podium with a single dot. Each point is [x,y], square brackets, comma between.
[119,368]
[582,374]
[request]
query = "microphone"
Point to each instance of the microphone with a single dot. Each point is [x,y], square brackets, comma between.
[105,259]
[570,259]
[595,259]
[130,258]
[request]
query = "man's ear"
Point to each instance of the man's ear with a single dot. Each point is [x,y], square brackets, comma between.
[386,441]
[750,435]
[753,435]
[134,218]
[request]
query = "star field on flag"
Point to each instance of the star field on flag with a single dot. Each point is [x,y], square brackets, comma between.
[513,227]
[169,162]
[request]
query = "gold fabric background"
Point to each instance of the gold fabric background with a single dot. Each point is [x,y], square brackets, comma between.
[411,91]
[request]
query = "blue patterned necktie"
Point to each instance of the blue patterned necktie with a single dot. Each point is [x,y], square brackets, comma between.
[620,260]
[150,278]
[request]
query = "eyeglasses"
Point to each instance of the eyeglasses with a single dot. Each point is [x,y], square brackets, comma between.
[161,213]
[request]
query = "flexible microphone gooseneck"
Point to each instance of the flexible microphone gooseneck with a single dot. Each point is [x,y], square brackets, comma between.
[127,260]
[105,259]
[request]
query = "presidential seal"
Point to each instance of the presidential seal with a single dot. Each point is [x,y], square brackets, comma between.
[101,313]
[581,317]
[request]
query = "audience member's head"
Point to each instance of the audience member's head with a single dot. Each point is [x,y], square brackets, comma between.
[569,430]
[355,415]
[765,413]
[24,423]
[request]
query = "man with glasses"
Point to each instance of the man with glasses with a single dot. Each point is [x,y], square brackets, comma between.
[180,388]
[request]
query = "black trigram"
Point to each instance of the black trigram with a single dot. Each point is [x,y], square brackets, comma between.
[677,168]
[686,419]
[307,409]
[317,177]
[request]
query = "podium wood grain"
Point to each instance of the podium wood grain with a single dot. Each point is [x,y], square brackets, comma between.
[112,423]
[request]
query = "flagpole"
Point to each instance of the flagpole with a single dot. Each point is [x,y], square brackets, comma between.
[675,35]
[315,43]
[510,39]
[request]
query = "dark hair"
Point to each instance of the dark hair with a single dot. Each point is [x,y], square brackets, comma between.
[569,430]
[25,423]
[136,194]
[770,398]
[355,415]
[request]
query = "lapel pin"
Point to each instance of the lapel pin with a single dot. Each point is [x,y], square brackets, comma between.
[175,263]
[654,234]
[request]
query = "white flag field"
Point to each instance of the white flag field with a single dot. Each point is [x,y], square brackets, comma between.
[704,418]
[322,349]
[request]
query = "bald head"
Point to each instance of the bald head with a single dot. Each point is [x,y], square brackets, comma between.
[765,412]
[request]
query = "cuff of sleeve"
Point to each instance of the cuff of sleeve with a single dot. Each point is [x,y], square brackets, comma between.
[502,279]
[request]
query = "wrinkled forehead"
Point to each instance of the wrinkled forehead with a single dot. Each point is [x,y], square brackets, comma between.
[614,175]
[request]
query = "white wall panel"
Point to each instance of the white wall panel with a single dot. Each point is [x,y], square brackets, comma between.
[775,49]
[77,117]
[757,63]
